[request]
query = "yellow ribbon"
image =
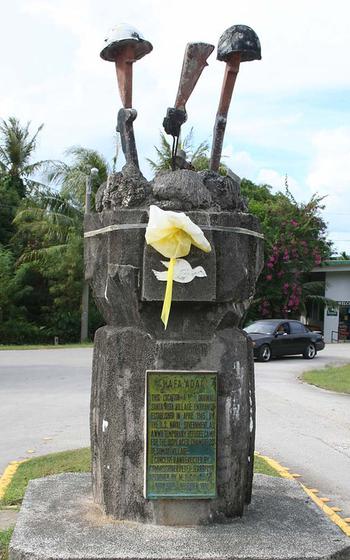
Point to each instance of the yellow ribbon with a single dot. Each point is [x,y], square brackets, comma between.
[172,234]
[168,293]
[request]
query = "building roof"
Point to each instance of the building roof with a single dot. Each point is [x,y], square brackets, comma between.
[333,265]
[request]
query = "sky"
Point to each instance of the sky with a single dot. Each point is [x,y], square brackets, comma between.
[290,112]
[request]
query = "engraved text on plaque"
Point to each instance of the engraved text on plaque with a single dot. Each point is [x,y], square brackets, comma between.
[181,438]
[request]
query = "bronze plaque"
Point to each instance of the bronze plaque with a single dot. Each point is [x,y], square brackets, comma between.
[181,436]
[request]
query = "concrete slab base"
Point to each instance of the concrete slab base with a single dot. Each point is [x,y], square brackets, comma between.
[58,521]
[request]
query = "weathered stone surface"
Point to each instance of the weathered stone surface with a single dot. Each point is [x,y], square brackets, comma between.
[59,520]
[121,358]
[125,189]
[202,334]
[235,261]
[181,190]
[225,191]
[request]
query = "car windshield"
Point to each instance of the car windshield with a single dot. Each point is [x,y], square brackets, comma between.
[264,327]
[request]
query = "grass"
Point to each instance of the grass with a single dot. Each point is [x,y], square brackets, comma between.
[332,378]
[71,461]
[45,346]
[262,467]
[66,461]
[5,537]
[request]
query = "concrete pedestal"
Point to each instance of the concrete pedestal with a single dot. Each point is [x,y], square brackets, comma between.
[59,520]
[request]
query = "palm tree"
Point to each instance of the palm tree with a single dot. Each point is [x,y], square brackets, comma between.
[50,232]
[199,156]
[50,224]
[71,177]
[17,146]
[46,223]
[312,294]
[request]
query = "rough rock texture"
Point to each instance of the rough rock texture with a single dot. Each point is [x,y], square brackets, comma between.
[125,189]
[121,359]
[59,521]
[225,191]
[181,190]
[202,334]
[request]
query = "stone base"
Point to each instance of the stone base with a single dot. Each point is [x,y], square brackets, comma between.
[58,520]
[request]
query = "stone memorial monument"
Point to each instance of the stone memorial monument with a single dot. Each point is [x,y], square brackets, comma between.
[173,410]
[172,263]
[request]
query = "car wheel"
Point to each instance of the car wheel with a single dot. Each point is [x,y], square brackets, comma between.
[264,353]
[310,351]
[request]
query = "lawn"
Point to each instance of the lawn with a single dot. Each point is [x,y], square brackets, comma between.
[331,378]
[45,346]
[66,461]
[5,537]
[71,461]
[78,460]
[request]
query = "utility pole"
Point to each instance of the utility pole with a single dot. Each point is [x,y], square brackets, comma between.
[85,295]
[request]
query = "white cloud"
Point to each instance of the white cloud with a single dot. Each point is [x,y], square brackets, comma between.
[240,162]
[329,175]
[330,167]
[278,181]
[62,82]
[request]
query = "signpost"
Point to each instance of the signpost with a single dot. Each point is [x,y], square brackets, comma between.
[181,419]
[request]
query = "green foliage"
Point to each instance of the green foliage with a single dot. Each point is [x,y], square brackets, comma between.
[51,230]
[6,276]
[24,302]
[71,177]
[262,467]
[331,378]
[16,150]
[9,202]
[77,460]
[41,239]
[16,168]
[295,242]
[5,537]
[198,156]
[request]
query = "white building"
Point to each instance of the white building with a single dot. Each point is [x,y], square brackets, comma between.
[336,322]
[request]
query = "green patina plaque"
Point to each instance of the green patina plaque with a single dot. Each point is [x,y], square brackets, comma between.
[181,436]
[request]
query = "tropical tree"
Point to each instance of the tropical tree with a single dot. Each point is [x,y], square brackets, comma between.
[71,177]
[17,171]
[50,237]
[197,155]
[17,147]
[295,242]
[312,293]
[24,301]
[50,229]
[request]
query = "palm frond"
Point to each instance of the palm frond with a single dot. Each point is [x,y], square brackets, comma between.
[321,299]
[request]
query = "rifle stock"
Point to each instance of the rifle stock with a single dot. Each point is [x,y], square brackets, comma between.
[195,60]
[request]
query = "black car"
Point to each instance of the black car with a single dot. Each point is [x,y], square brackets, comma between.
[278,337]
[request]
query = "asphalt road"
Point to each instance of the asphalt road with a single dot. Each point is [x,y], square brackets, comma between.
[306,428]
[44,402]
[44,407]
